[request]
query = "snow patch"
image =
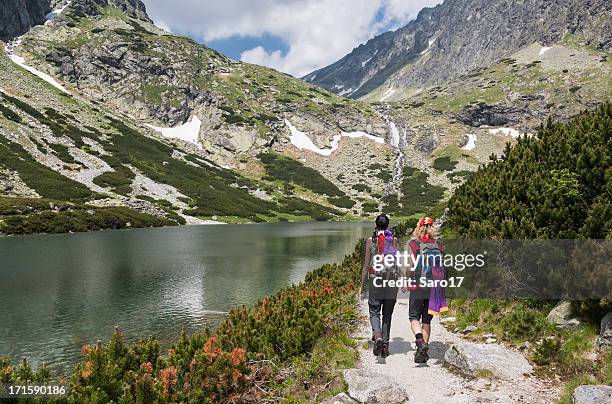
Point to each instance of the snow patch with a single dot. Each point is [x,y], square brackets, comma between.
[509,132]
[300,140]
[388,94]
[51,16]
[20,61]
[545,49]
[339,86]
[189,132]
[471,144]
[347,91]
[365,62]
[355,135]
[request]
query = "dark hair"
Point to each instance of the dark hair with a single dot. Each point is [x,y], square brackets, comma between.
[382,222]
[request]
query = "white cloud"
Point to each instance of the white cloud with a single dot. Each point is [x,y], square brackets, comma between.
[317,32]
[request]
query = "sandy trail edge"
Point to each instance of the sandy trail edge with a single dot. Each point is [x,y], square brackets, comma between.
[433,383]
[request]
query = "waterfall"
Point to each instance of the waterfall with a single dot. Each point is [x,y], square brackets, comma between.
[397,141]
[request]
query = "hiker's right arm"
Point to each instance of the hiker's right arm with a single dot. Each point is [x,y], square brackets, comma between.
[366,264]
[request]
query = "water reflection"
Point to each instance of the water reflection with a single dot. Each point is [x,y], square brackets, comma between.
[59,292]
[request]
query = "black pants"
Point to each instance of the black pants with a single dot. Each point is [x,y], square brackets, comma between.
[418,309]
[377,306]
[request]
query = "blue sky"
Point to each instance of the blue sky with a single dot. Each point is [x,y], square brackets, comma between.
[293,36]
[235,45]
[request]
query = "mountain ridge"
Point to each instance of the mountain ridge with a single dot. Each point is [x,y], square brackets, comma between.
[458,36]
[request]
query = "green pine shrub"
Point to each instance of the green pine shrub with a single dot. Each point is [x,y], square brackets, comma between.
[555,185]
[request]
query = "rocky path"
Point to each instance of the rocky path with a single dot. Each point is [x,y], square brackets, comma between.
[398,378]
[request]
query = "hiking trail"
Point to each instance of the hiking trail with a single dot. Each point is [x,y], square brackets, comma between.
[434,382]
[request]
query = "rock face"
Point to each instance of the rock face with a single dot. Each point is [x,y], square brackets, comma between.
[598,394]
[132,8]
[18,16]
[470,358]
[605,335]
[165,80]
[458,36]
[367,387]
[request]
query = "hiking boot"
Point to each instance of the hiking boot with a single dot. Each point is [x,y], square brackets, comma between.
[385,351]
[378,347]
[421,353]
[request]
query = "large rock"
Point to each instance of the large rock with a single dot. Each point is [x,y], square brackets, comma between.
[367,387]
[561,313]
[598,394]
[472,358]
[605,334]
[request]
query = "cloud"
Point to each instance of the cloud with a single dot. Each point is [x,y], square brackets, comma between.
[317,32]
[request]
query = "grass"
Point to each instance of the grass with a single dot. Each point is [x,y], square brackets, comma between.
[454,153]
[483,374]
[153,94]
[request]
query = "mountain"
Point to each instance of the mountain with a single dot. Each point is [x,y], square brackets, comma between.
[108,121]
[18,16]
[102,110]
[459,36]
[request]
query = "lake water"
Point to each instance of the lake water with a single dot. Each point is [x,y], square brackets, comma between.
[59,292]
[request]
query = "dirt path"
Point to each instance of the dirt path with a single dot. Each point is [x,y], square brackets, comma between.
[432,382]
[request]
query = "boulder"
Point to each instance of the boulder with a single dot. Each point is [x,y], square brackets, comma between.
[596,394]
[572,322]
[470,328]
[472,358]
[604,341]
[369,387]
[561,315]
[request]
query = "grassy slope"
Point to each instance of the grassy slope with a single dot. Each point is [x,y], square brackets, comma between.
[241,96]
[56,117]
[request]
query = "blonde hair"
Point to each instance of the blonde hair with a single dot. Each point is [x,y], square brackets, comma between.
[426,230]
